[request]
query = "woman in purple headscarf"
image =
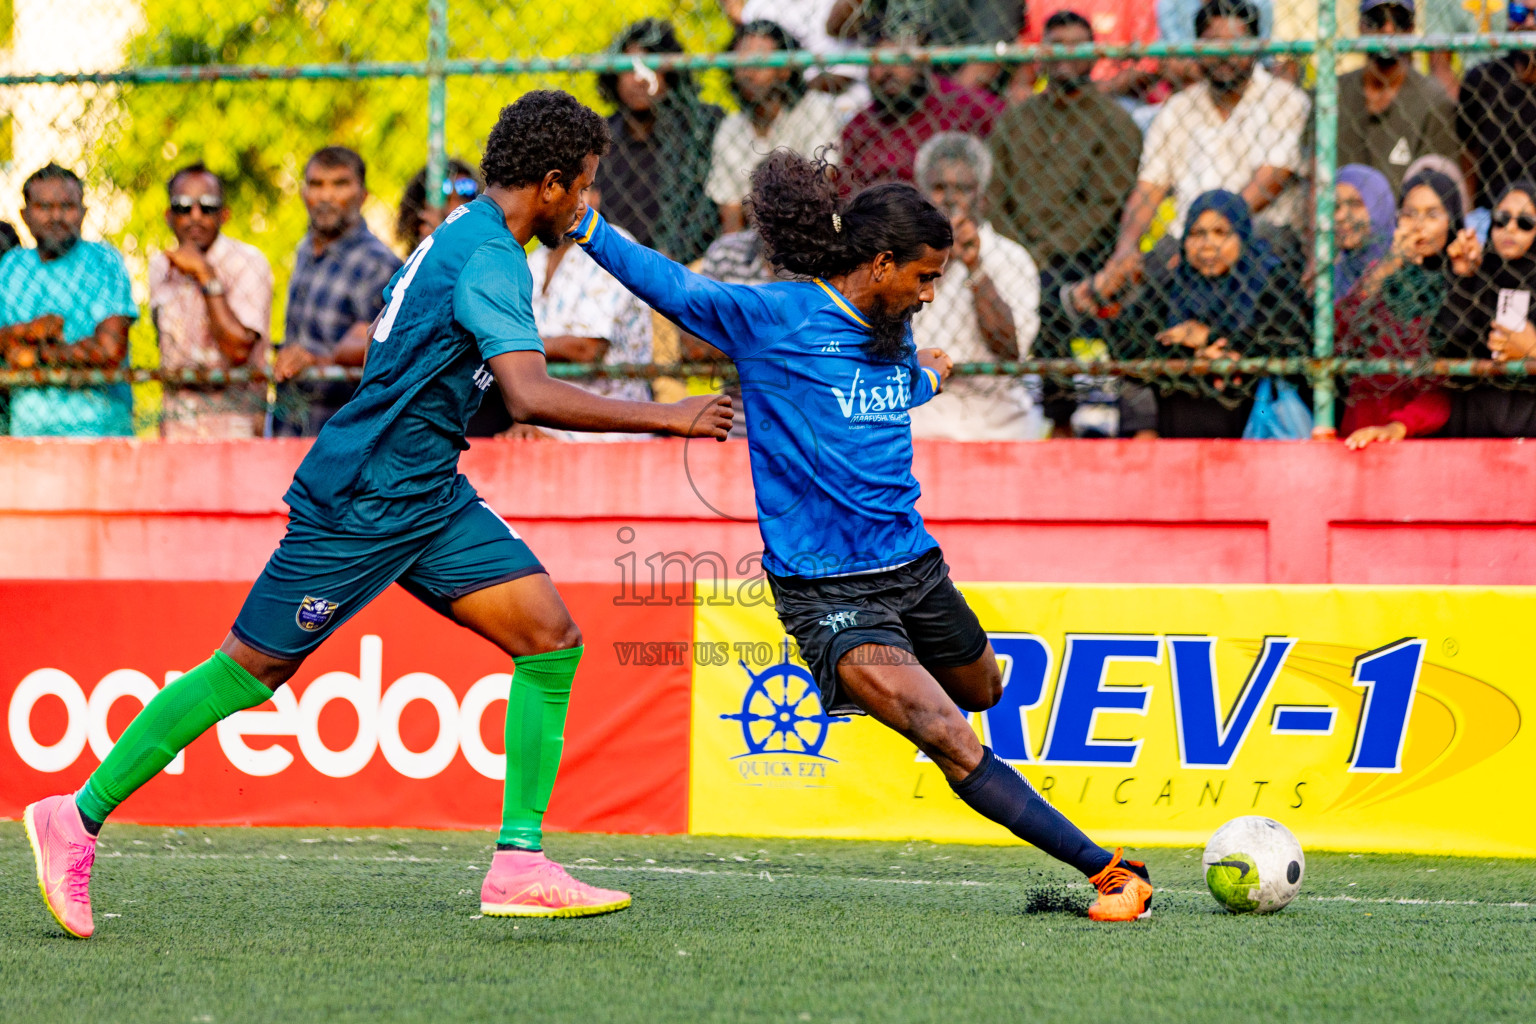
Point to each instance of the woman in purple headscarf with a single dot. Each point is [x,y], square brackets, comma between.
[1364,218]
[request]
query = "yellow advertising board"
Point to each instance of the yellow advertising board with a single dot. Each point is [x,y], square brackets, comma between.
[1364,718]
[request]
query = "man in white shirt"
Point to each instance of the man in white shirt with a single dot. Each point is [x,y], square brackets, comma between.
[986,307]
[776,111]
[583,315]
[1240,129]
[211,301]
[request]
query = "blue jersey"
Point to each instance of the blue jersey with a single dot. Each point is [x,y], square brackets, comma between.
[387,462]
[829,435]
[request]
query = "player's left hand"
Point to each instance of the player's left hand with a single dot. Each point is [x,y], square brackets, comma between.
[937,360]
[702,416]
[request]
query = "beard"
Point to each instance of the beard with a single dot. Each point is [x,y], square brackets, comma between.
[890,331]
[552,235]
[56,247]
[1386,60]
[1237,81]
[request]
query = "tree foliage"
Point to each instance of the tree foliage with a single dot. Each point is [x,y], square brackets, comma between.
[257,135]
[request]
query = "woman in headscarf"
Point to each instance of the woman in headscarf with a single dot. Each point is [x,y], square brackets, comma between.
[1389,314]
[1471,325]
[1364,216]
[1230,296]
[1475,218]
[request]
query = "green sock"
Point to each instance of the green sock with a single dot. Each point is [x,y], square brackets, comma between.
[536,705]
[178,714]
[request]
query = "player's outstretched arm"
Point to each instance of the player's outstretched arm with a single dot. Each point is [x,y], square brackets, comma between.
[533,396]
[732,317]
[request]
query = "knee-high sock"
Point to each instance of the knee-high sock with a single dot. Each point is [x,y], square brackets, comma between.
[176,716]
[536,706]
[995,790]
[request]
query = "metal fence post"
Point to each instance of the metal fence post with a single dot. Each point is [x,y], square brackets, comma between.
[437,99]
[1326,111]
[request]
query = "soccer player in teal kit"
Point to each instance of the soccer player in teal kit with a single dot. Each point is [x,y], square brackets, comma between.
[379,500]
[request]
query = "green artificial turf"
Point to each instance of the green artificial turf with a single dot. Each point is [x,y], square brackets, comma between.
[346,925]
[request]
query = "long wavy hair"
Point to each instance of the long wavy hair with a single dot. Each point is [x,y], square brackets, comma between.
[808,229]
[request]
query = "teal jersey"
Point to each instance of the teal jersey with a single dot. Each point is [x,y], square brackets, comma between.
[388,460]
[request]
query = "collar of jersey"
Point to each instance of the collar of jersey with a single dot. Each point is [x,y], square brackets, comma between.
[841,302]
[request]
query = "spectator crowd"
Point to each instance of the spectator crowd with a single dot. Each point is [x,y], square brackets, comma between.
[1102,209]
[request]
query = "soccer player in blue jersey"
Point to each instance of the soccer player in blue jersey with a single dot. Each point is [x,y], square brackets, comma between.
[828,373]
[379,500]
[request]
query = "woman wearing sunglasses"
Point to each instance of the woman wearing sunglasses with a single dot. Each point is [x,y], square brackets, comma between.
[418,218]
[1489,315]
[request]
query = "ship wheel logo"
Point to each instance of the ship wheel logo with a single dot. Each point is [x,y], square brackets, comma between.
[781,712]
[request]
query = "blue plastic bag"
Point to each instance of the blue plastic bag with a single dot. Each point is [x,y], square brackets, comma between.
[1278,414]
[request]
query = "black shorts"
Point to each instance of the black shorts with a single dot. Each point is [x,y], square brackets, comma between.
[914,607]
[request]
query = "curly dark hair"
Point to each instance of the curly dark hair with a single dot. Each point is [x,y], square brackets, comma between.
[794,89]
[545,130]
[794,201]
[414,200]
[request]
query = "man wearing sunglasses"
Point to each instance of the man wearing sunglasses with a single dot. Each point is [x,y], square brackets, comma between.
[211,300]
[1496,119]
[1389,114]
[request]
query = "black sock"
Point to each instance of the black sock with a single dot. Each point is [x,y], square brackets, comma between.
[995,790]
[509,846]
[91,824]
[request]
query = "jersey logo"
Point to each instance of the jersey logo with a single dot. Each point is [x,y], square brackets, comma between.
[483,377]
[832,348]
[314,613]
[456,214]
[864,402]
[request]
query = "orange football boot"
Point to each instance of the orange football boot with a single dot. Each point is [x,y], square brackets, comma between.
[1125,891]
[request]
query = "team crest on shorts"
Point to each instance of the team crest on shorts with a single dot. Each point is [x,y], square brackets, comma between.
[315,612]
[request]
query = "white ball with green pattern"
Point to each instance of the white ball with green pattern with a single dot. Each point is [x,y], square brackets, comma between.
[1253,865]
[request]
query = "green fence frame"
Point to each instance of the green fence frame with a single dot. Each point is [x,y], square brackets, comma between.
[1324,53]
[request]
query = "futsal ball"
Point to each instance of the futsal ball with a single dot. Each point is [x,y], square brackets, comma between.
[1253,865]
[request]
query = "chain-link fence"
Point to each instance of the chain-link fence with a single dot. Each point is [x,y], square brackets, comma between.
[1134,189]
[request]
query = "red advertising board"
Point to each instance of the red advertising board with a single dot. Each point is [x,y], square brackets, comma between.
[395,721]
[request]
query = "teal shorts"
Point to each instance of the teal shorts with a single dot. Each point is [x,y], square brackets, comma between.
[317,579]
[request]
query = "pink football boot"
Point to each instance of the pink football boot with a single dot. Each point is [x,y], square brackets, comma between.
[64,851]
[523,883]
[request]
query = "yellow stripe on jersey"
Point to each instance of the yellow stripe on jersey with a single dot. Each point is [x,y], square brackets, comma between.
[832,294]
[583,237]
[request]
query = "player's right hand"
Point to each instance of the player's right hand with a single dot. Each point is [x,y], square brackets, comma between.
[702,416]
